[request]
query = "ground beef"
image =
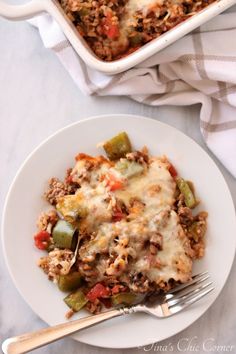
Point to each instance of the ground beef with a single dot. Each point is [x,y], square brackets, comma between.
[139,283]
[46,221]
[185,215]
[194,227]
[138,156]
[94,307]
[71,185]
[196,234]
[56,189]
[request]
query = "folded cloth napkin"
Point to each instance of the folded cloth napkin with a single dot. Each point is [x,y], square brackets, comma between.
[199,68]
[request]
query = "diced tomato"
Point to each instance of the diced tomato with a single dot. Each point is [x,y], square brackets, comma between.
[116,185]
[117,216]
[41,240]
[98,291]
[173,171]
[111,30]
[113,183]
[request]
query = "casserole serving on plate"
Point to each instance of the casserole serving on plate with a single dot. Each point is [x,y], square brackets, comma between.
[119,227]
[132,50]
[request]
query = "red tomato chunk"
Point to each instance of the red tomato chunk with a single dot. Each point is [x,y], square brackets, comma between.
[98,291]
[113,183]
[173,171]
[110,29]
[41,240]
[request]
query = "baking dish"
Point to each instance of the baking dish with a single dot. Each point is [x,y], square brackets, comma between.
[52,7]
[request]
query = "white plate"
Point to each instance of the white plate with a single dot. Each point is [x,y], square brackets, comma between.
[52,158]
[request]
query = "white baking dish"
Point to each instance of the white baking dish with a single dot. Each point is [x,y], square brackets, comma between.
[36,7]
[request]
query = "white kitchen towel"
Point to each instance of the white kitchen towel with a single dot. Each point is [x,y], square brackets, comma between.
[199,68]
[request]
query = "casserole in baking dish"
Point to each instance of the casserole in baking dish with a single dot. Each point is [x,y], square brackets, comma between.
[114,29]
[113,36]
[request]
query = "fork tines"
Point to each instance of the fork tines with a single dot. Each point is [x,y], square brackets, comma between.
[186,294]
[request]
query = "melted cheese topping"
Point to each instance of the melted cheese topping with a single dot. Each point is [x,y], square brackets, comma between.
[127,240]
[155,188]
[176,264]
[124,247]
[134,6]
[142,5]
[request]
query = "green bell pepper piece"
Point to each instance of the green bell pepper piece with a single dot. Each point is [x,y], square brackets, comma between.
[118,146]
[197,230]
[123,298]
[136,39]
[185,189]
[69,282]
[63,233]
[76,300]
[71,207]
[129,168]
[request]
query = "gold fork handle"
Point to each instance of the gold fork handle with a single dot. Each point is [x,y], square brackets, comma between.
[30,341]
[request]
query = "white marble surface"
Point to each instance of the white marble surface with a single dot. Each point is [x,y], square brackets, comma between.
[37,97]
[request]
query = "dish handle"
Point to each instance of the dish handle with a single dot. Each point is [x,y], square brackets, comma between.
[21,12]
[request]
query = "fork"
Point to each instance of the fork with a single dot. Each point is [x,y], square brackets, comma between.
[160,306]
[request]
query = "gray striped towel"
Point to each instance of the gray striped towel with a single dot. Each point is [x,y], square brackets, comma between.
[199,68]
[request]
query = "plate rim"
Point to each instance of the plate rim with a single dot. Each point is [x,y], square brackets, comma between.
[45,141]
